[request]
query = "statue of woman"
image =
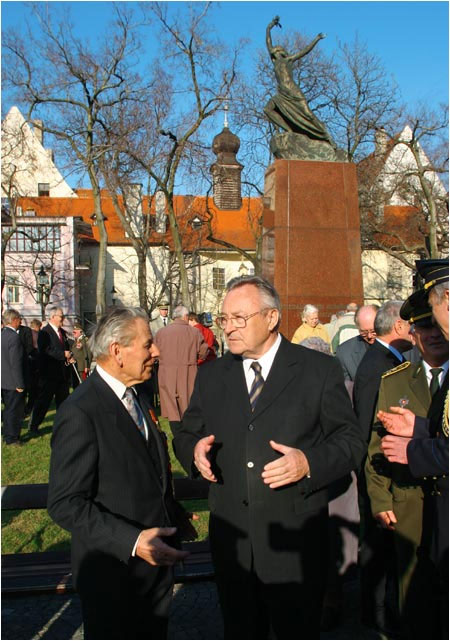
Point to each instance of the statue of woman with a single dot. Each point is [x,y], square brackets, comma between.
[289,109]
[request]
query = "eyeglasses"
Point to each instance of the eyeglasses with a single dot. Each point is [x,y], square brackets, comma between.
[237,321]
[365,333]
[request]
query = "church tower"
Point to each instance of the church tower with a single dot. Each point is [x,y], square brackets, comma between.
[226,171]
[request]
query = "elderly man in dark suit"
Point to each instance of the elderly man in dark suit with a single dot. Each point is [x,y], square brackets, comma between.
[110,486]
[13,378]
[350,353]
[53,355]
[270,425]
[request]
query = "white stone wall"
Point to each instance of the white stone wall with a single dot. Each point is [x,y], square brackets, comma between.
[25,162]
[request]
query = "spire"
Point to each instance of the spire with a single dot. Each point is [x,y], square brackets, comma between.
[226,171]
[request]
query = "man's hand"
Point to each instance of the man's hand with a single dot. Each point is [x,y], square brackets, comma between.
[321,36]
[186,529]
[67,354]
[399,422]
[201,457]
[19,389]
[386,519]
[290,468]
[154,551]
[394,448]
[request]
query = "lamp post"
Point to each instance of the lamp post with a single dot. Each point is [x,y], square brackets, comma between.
[113,295]
[43,289]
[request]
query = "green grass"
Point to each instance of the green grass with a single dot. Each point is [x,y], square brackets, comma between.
[26,531]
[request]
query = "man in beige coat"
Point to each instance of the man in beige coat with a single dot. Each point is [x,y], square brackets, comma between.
[180,347]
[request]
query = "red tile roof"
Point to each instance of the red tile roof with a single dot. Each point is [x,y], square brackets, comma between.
[233,226]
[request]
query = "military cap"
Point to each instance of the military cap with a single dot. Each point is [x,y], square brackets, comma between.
[416,309]
[163,305]
[78,326]
[432,272]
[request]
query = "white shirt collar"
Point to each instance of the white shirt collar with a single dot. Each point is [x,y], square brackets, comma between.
[54,328]
[117,386]
[266,361]
[442,375]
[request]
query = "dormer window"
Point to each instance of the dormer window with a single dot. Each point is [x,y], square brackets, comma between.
[43,189]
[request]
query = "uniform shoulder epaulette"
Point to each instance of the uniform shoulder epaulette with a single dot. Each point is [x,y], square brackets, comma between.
[399,368]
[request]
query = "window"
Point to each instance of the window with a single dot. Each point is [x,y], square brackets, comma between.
[12,290]
[218,278]
[36,238]
[43,189]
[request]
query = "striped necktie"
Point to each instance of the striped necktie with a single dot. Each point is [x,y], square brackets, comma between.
[434,383]
[257,384]
[134,410]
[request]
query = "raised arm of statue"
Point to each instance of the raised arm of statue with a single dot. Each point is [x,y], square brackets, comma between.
[306,50]
[275,22]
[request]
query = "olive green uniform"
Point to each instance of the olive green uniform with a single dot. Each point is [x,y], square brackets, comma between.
[391,486]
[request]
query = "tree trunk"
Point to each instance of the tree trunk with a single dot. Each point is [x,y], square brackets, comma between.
[100,290]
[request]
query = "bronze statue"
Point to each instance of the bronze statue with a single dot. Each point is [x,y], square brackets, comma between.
[289,109]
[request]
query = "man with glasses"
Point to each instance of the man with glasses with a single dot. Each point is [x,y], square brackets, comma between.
[351,352]
[270,425]
[53,355]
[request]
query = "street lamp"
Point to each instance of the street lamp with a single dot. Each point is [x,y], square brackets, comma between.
[113,295]
[44,289]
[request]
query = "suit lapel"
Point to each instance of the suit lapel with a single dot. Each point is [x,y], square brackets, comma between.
[156,441]
[419,385]
[280,375]
[234,379]
[117,418]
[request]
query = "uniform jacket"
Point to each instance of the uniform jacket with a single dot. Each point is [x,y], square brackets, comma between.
[106,484]
[350,354]
[12,360]
[81,354]
[377,360]
[180,346]
[303,404]
[384,479]
[51,359]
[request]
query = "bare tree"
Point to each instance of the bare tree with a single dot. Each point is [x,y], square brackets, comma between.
[403,199]
[70,85]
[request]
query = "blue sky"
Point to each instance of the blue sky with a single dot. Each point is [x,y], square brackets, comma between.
[411,38]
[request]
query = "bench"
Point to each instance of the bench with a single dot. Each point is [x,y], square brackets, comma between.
[50,572]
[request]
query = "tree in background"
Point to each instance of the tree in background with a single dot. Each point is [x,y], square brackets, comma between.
[70,85]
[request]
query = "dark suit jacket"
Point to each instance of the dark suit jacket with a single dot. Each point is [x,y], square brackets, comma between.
[428,458]
[377,360]
[51,359]
[12,360]
[104,484]
[350,354]
[303,404]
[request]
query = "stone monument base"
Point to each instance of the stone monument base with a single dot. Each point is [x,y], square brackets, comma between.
[311,243]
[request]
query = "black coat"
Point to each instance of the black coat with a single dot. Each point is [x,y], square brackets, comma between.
[350,354]
[51,359]
[106,485]
[303,404]
[377,360]
[13,376]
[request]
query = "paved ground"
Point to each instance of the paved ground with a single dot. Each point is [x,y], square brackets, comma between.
[195,615]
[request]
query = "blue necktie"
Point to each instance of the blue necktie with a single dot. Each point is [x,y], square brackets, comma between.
[134,410]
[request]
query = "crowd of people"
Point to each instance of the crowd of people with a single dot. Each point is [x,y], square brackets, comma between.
[324,453]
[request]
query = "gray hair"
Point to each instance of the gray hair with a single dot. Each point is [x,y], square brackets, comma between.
[10,315]
[116,326]
[386,317]
[267,292]
[180,311]
[362,309]
[316,343]
[439,291]
[51,311]
[309,309]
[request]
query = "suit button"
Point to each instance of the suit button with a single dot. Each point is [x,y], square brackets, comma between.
[251,427]
[250,464]
[245,502]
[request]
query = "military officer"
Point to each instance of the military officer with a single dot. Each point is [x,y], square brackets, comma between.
[81,353]
[422,443]
[396,496]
